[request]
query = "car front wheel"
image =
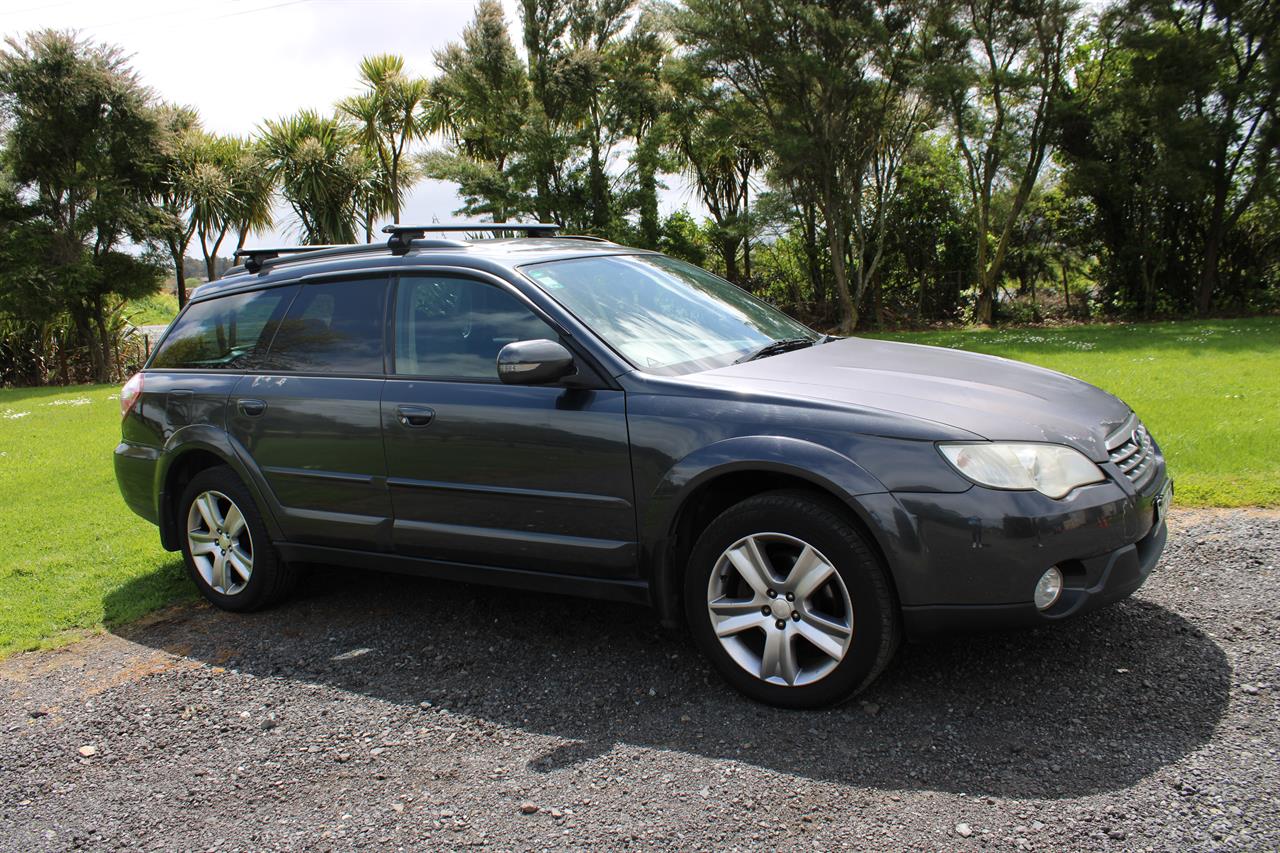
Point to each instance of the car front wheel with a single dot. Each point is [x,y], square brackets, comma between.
[789,603]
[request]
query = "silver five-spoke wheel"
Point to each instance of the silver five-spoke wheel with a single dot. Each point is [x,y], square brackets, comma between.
[780,609]
[219,541]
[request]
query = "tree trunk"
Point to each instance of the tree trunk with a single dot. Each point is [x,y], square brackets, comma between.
[848,310]
[877,299]
[599,192]
[179,276]
[1066,291]
[1208,275]
[985,309]
[729,254]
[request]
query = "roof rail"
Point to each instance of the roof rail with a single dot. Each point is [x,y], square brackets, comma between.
[403,235]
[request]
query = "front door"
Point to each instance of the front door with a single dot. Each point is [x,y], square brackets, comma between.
[481,472]
[310,419]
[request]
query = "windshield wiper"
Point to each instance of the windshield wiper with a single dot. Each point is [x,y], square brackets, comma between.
[775,347]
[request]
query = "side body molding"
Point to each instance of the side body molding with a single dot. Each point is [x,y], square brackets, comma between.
[823,467]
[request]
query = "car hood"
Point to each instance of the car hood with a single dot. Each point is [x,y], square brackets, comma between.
[991,397]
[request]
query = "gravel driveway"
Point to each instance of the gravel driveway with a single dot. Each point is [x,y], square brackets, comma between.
[381,712]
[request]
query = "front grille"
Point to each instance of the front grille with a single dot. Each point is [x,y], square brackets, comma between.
[1131,451]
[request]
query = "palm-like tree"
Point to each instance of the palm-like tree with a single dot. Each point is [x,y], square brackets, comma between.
[255,193]
[210,180]
[321,170]
[387,118]
[180,140]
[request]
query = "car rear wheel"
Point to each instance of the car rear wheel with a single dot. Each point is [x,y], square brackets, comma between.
[788,601]
[226,546]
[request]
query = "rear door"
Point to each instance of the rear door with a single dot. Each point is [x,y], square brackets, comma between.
[310,417]
[481,472]
[202,359]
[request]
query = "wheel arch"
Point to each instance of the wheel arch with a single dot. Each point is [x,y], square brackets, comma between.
[188,452]
[705,484]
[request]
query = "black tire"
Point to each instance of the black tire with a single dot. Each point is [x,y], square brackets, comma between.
[875,620]
[271,578]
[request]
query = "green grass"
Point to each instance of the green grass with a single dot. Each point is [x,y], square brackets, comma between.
[1208,391]
[74,558]
[155,310]
[72,555]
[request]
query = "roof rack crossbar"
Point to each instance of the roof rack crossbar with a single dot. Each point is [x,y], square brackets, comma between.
[403,235]
[255,257]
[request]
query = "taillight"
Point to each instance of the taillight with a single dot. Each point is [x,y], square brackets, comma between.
[130,393]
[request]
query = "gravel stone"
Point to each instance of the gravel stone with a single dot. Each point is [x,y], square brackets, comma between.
[1150,725]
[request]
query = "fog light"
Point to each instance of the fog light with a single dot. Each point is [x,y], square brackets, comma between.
[1048,588]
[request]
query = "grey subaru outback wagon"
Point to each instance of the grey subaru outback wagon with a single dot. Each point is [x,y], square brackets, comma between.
[570,415]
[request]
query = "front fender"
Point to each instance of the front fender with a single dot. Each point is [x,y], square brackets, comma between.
[823,467]
[210,439]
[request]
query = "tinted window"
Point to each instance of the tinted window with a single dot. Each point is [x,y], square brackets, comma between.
[334,327]
[452,328]
[227,333]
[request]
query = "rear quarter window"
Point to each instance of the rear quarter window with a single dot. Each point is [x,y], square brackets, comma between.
[225,333]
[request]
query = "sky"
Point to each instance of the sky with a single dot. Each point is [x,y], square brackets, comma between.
[241,61]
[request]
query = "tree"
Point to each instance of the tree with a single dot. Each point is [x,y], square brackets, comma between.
[548,146]
[1213,80]
[255,191]
[589,69]
[181,136]
[998,73]
[823,77]
[390,115]
[716,137]
[320,169]
[931,245]
[214,171]
[482,93]
[642,100]
[84,146]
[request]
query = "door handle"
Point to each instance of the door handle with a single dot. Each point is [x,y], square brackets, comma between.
[415,416]
[252,408]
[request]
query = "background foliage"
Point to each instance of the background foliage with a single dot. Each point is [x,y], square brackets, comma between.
[861,164]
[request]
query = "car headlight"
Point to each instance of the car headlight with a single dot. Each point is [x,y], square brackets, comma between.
[1051,469]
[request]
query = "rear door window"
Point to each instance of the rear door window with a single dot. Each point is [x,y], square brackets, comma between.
[226,333]
[332,328]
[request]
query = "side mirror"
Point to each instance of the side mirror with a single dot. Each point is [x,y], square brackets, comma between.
[534,363]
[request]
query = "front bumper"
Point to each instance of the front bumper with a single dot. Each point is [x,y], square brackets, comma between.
[1116,575]
[971,559]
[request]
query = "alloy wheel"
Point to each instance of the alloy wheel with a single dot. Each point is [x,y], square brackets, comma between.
[219,541]
[780,609]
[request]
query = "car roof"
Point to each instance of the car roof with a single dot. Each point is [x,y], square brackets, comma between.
[489,255]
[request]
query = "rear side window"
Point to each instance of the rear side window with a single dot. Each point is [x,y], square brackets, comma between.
[453,328]
[332,327]
[227,333]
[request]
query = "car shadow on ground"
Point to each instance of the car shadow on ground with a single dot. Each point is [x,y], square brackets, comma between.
[1081,708]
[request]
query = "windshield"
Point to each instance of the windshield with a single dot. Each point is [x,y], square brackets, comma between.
[663,315]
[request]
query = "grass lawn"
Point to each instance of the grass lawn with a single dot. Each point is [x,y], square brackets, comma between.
[74,558]
[72,555]
[155,310]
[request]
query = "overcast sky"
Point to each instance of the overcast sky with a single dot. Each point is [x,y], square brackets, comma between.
[241,61]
